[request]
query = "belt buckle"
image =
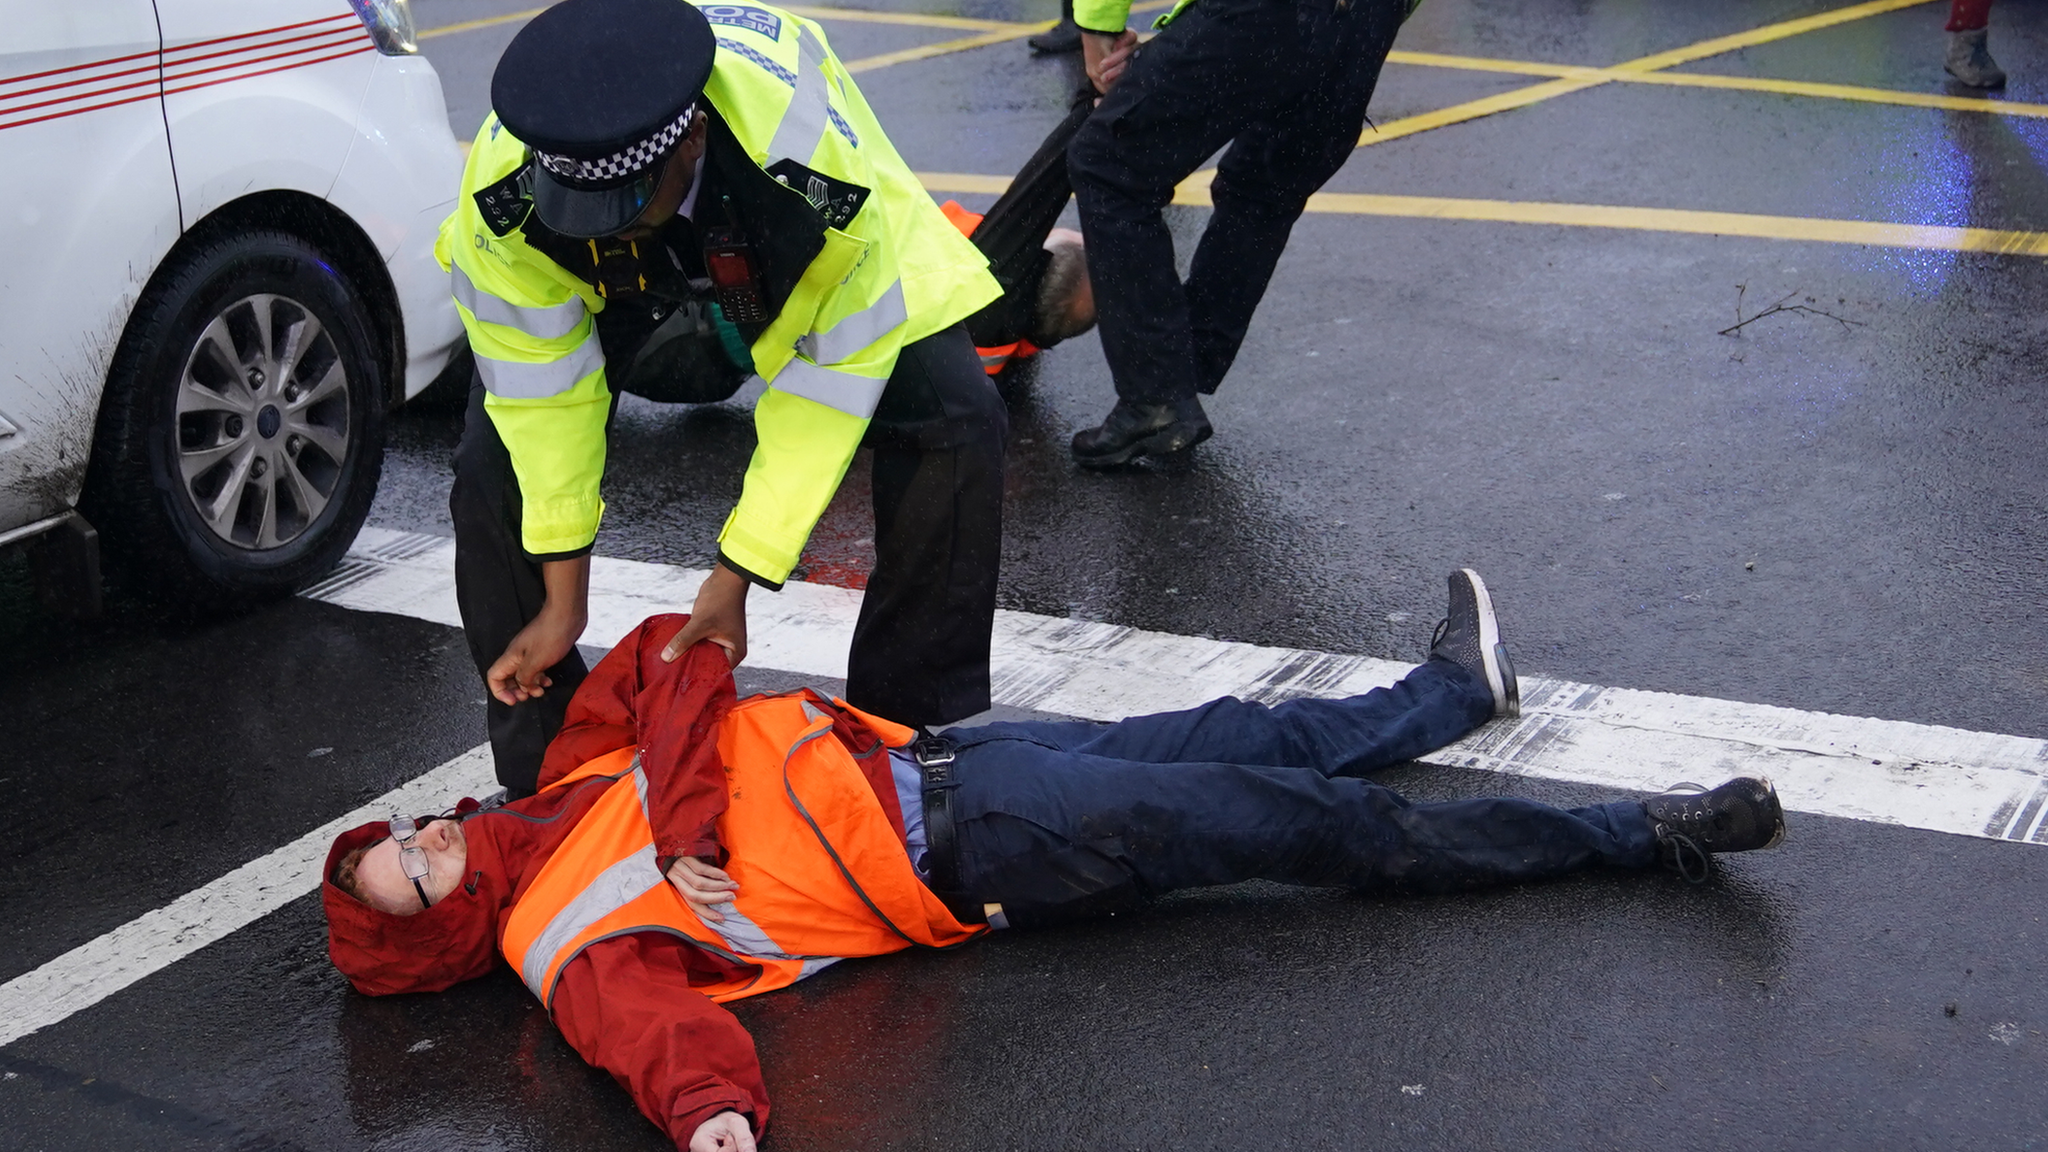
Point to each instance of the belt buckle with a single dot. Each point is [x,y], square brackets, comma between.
[934,754]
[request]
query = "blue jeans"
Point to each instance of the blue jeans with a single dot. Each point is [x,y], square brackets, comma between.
[1057,820]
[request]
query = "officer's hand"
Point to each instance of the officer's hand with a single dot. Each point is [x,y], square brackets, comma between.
[725,1132]
[702,886]
[720,616]
[1107,57]
[521,673]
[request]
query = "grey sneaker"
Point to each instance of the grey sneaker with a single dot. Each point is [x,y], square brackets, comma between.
[1969,60]
[1469,636]
[1693,825]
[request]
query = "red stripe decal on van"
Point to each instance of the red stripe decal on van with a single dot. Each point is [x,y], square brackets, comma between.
[86,89]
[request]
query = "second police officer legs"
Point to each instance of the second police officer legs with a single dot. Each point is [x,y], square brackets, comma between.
[921,646]
[1285,84]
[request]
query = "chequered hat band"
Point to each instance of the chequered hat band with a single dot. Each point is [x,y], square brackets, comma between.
[622,165]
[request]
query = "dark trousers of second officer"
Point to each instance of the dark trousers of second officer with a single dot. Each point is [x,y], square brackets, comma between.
[1285,84]
[920,649]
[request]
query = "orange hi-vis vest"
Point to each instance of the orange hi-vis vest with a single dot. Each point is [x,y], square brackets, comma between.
[822,873]
[993,360]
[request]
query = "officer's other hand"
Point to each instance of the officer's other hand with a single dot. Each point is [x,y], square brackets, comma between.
[1107,57]
[702,886]
[522,672]
[725,1132]
[720,616]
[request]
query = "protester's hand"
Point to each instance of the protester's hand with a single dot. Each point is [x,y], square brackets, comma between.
[702,886]
[720,616]
[1107,57]
[725,1132]
[521,673]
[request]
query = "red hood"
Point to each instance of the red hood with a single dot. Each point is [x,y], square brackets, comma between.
[382,954]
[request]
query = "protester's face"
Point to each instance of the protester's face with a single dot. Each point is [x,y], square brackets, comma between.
[383,882]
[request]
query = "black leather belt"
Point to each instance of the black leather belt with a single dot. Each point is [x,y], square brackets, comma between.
[935,756]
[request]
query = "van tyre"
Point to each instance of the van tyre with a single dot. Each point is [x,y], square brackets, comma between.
[242,433]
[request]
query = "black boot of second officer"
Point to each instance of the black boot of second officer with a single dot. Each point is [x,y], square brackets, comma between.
[1134,430]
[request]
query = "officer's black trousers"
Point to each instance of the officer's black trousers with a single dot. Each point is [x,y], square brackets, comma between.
[921,646]
[1285,85]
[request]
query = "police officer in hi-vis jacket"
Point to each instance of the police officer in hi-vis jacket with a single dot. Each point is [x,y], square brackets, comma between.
[667,194]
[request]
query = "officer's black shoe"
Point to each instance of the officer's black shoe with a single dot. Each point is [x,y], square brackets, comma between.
[1469,636]
[1064,36]
[1134,430]
[1742,815]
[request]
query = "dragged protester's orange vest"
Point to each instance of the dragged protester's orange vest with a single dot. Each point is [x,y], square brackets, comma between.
[993,360]
[822,873]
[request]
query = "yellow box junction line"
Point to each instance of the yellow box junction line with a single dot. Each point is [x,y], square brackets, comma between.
[999,31]
[1565,79]
[1800,228]
[1851,92]
[1580,81]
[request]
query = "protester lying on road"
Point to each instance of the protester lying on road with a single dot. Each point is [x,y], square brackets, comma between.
[794,831]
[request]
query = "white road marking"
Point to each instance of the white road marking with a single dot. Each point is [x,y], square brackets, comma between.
[1884,771]
[96,970]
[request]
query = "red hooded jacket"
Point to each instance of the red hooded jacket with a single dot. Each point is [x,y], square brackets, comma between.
[626,1004]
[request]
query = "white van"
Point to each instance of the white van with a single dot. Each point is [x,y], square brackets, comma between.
[217,221]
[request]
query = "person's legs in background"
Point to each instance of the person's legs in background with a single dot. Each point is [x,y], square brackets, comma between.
[1969,56]
[1217,69]
[1288,92]
[1064,36]
[1264,181]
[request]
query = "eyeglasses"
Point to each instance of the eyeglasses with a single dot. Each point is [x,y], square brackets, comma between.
[412,859]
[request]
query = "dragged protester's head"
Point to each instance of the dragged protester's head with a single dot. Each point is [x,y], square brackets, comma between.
[376,873]
[386,934]
[1065,304]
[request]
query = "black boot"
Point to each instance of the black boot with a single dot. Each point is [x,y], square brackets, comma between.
[1742,815]
[1134,430]
[1064,36]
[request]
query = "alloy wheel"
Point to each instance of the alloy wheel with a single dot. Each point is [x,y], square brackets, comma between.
[262,422]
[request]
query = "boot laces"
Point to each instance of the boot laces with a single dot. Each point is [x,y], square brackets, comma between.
[1688,859]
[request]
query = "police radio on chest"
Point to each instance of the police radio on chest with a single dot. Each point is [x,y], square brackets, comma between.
[729,261]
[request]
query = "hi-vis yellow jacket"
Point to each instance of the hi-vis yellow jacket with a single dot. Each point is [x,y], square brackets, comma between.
[895,273]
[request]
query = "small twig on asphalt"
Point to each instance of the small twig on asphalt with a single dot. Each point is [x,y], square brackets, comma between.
[1778,306]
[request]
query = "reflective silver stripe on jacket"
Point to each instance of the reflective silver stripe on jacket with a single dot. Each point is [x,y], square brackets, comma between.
[745,936]
[846,338]
[519,380]
[549,323]
[854,395]
[607,892]
[803,125]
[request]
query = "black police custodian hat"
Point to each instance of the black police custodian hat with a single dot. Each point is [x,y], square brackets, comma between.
[601,90]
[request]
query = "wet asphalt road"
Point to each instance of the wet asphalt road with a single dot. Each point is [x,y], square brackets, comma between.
[1550,405]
